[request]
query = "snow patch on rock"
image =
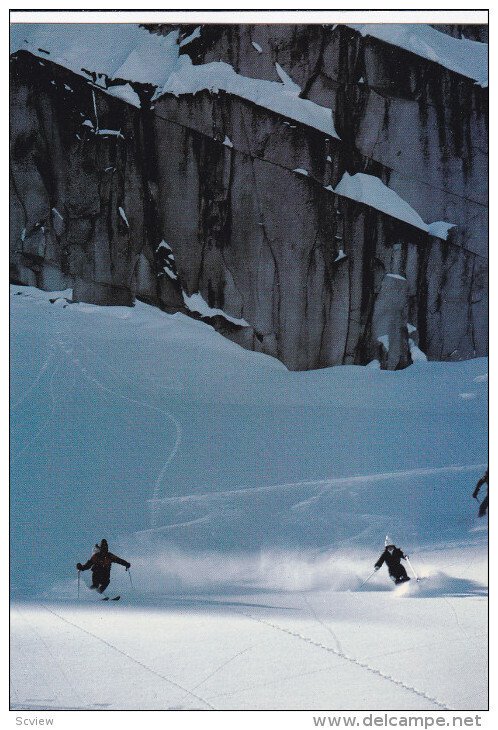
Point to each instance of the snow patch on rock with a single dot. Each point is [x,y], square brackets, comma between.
[415,352]
[290,86]
[371,191]
[384,340]
[195,34]
[125,93]
[197,303]
[123,216]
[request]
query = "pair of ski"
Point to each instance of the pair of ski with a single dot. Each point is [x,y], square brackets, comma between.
[106,598]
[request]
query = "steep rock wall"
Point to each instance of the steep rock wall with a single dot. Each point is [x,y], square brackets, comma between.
[426,125]
[320,279]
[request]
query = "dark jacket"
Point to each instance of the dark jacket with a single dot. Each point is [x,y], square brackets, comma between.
[101,563]
[392,560]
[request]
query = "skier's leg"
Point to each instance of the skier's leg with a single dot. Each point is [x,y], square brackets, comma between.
[98,577]
[483,507]
[403,575]
[399,575]
[103,584]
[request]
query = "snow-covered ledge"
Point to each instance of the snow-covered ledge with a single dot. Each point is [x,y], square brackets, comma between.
[371,191]
[461,55]
[196,303]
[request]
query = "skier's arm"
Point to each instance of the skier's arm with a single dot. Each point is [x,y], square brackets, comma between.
[115,559]
[85,566]
[479,484]
[379,562]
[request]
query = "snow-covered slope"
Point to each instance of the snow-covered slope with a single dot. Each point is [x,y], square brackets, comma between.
[252,502]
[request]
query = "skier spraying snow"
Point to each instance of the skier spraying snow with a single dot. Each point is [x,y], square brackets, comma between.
[100,564]
[483,507]
[392,557]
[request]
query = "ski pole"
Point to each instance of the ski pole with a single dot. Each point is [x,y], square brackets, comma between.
[129,574]
[362,584]
[79,571]
[411,566]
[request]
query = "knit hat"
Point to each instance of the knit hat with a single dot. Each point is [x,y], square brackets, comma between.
[388,542]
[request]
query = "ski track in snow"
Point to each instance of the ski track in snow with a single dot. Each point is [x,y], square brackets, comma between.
[54,371]
[54,661]
[132,659]
[175,384]
[41,372]
[68,352]
[45,423]
[222,666]
[174,525]
[276,681]
[351,660]
[157,484]
[179,431]
[414,647]
[361,479]
[327,628]
[457,620]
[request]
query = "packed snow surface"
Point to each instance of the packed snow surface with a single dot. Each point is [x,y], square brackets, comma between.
[465,57]
[252,503]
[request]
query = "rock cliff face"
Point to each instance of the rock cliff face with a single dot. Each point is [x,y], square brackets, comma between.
[242,197]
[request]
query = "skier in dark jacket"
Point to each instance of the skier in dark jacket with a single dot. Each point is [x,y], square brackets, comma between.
[483,507]
[392,557]
[100,564]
